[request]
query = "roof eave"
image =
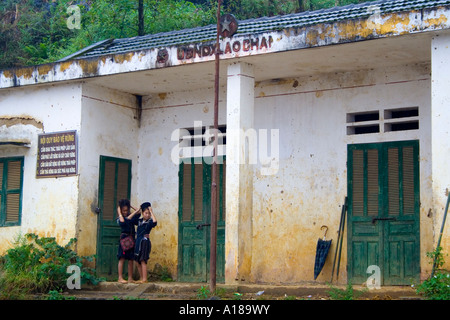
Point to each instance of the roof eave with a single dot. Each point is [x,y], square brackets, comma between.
[295,38]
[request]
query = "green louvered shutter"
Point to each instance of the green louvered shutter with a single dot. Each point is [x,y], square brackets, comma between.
[11,181]
[383,212]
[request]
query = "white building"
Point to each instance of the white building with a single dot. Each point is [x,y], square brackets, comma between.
[345,102]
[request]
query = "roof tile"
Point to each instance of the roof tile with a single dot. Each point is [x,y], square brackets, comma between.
[259,25]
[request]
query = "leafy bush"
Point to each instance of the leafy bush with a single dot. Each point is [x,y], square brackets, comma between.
[436,287]
[39,265]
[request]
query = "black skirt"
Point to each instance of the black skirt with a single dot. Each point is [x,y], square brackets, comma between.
[144,251]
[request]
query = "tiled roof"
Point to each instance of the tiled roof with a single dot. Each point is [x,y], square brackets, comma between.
[254,26]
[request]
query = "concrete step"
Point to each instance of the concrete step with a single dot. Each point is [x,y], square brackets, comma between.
[178,290]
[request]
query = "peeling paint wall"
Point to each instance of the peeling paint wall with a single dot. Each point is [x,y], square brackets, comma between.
[310,112]
[440,140]
[309,189]
[49,206]
[157,177]
[108,128]
[288,208]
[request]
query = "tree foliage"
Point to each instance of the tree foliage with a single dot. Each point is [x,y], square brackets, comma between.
[36,31]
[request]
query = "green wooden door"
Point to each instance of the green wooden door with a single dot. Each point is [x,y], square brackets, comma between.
[114,184]
[194,221]
[383,212]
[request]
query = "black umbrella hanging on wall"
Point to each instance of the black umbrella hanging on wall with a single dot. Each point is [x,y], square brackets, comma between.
[323,246]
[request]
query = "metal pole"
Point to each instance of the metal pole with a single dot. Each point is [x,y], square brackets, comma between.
[213,249]
[340,234]
[141,31]
[440,234]
[340,244]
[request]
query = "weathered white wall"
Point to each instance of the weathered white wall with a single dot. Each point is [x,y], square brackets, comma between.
[49,205]
[289,207]
[157,177]
[108,128]
[307,191]
[440,135]
[310,186]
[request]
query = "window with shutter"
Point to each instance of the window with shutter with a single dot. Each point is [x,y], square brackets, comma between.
[11,177]
[109,204]
[198,192]
[187,190]
[122,180]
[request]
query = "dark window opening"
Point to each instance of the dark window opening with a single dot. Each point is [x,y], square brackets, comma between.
[402,126]
[366,117]
[363,116]
[401,113]
[363,129]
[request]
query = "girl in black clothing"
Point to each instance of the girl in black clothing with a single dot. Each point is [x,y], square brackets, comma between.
[143,245]
[126,221]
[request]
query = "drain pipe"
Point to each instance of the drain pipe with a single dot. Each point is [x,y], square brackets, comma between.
[138,109]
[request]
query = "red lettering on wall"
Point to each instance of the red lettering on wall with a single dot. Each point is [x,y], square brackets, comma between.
[197,52]
[236,46]
[263,43]
[189,53]
[254,43]
[246,45]
[228,48]
[180,53]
